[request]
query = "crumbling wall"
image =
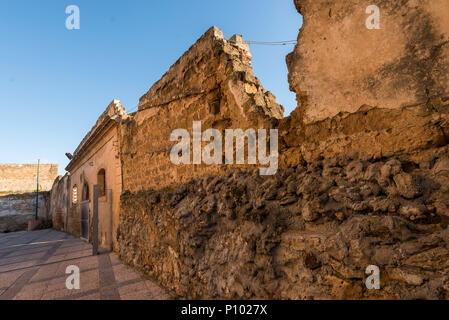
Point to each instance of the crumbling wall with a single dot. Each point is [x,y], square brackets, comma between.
[212,82]
[365,164]
[339,64]
[22,177]
[308,232]
[364,178]
[18,208]
[371,133]
[374,91]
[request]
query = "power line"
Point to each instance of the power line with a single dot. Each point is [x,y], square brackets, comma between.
[132,110]
[273,43]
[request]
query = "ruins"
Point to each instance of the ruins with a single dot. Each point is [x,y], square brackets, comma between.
[363,177]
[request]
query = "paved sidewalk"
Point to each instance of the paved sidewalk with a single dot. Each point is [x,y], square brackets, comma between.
[33,266]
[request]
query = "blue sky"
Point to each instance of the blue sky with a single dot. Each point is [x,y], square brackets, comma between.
[54,83]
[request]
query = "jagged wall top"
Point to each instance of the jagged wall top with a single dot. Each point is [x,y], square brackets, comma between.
[185,78]
[339,64]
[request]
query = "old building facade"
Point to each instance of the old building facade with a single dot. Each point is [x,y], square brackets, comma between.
[96,161]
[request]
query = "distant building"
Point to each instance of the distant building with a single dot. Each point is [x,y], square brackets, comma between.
[17,178]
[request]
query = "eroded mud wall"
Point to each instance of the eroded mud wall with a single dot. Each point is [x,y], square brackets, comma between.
[377,92]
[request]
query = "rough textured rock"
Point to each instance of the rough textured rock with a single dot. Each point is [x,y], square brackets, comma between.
[407,185]
[215,64]
[309,232]
[339,64]
[376,92]
[372,133]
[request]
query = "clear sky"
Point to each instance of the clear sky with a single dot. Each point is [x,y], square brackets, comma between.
[54,82]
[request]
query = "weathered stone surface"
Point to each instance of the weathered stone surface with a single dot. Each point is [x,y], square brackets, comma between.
[213,82]
[376,93]
[340,65]
[371,133]
[310,212]
[244,236]
[441,166]
[408,185]
[17,209]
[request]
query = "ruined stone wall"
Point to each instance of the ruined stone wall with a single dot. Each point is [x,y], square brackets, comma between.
[339,64]
[365,176]
[212,82]
[364,179]
[308,232]
[22,177]
[377,92]
[17,209]
[17,202]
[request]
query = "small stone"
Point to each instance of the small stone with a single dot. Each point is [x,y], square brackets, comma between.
[357,206]
[427,163]
[441,166]
[412,210]
[340,216]
[311,261]
[392,208]
[250,88]
[442,208]
[366,191]
[354,169]
[288,200]
[330,171]
[407,185]
[389,169]
[309,213]
[430,208]
[373,171]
